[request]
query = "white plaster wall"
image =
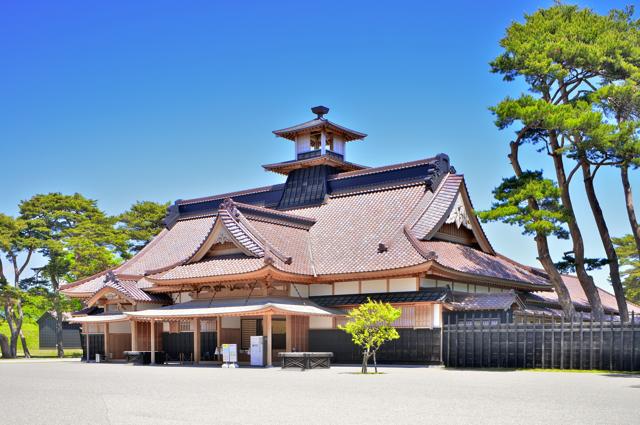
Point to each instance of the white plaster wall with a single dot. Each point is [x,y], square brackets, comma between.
[318,289]
[428,283]
[481,288]
[165,327]
[403,284]
[120,327]
[320,322]
[231,322]
[437,315]
[303,289]
[303,143]
[338,145]
[341,288]
[374,286]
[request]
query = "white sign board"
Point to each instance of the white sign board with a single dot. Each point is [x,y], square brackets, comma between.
[230,353]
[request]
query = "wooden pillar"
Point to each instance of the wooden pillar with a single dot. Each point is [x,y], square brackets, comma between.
[323,142]
[134,335]
[106,340]
[152,325]
[266,323]
[288,330]
[196,340]
[86,337]
[218,332]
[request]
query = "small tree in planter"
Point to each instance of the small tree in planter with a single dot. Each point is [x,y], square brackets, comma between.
[370,326]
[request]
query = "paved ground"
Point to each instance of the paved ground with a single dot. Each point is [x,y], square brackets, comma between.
[77,393]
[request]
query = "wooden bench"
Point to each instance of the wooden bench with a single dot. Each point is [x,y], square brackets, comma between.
[306,360]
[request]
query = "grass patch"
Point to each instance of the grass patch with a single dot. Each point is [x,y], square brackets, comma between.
[31,333]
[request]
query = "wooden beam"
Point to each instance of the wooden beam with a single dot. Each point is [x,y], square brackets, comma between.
[134,335]
[152,325]
[288,330]
[106,340]
[196,341]
[266,323]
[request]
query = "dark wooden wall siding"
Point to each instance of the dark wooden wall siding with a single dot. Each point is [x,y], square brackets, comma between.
[455,316]
[557,345]
[96,346]
[143,330]
[47,333]
[208,341]
[175,344]
[417,346]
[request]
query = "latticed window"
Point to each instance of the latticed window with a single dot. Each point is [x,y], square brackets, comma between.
[185,326]
[207,325]
[407,318]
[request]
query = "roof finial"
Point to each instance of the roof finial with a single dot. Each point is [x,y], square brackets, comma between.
[320,111]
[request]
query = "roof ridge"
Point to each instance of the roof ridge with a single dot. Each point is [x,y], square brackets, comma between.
[228,194]
[382,168]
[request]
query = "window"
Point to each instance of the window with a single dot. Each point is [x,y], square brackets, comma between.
[185,326]
[315,140]
[207,325]
[407,318]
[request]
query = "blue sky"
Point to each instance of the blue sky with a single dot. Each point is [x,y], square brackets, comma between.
[165,100]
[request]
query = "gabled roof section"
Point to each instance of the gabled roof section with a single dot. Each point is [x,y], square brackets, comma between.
[450,203]
[232,226]
[319,124]
[127,289]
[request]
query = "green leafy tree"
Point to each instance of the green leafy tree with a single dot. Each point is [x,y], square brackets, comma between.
[531,202]
[77,239]
[370,326]
[565,53]
[630,260]
[141,223]
[17,244]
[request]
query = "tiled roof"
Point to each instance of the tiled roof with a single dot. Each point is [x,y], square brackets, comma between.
[579,298]
[130,290]
[469,260]
[424,295]
[438,209]
[478,302]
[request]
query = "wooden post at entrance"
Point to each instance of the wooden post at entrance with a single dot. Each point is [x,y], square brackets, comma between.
[153,341]
[288,333]
[134,335]
[106,341]
[86,337]
[219,333]
[267,331]
[196,341]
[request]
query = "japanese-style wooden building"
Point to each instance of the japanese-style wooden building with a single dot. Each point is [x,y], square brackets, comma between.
[287,261]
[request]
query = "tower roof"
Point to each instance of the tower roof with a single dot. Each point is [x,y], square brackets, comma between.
[319,123]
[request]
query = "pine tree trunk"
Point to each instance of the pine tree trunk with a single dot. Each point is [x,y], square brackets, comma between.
[586,281]
[628,198]
[375,363]
[4,347]
[542,245]
[564,298]
[19,322]
[605,237]
[13,334]
[59,344]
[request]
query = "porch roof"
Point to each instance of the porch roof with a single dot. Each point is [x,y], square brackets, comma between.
[236,307]
[100,318]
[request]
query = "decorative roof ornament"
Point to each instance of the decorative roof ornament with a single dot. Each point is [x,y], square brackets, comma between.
[459,215]
[320,111]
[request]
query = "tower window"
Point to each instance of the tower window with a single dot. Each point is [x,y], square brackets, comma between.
[315,140]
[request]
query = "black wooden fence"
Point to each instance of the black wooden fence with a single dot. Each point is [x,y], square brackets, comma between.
[543,343]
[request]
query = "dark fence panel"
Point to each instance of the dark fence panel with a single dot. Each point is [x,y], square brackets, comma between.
[96,346]
[422,346]
[174,344]
[208,341]
[557,344]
